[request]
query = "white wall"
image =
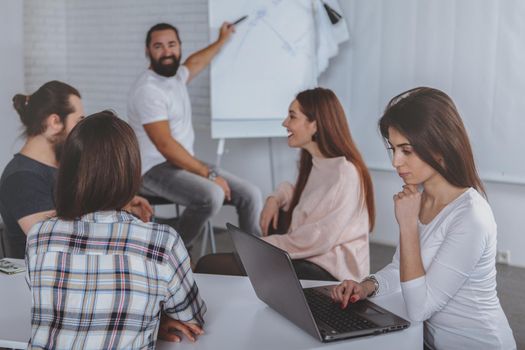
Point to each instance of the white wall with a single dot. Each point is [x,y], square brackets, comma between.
[11,76]
[45,42]
[104,42]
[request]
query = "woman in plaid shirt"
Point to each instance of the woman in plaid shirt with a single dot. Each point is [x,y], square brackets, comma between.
[101,278]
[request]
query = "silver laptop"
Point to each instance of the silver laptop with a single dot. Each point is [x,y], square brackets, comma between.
[274,280]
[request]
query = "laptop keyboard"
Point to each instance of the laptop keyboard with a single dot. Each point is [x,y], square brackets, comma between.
[324,309]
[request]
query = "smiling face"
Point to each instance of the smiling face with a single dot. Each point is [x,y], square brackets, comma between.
[300,128]
[164,52]
[409,166]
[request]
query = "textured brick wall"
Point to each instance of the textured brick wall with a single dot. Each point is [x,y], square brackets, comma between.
[98,46]
[44,42]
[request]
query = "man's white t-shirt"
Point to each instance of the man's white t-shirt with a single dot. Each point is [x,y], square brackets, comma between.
[154,98]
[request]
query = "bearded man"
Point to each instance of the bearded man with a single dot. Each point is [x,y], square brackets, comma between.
[159,111]
[27,183]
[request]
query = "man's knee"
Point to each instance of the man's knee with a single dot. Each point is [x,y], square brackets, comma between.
[212,199]
[251,194]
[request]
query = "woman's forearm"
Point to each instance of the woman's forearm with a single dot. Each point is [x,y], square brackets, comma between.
[410,264]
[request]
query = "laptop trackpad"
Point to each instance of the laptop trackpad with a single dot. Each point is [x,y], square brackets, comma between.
[366,309]
[373,313]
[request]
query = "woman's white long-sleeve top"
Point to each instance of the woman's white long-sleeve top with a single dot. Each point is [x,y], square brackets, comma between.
[457,296]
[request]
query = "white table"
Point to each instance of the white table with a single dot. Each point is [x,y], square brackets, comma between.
[236,319]
[15,310]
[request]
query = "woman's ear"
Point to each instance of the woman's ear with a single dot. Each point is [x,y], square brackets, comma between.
[441,161]
[315,134]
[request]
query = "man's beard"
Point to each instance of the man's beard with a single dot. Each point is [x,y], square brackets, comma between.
[165,69]
[58,143]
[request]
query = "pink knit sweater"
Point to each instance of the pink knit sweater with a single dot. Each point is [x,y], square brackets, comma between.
[330,223]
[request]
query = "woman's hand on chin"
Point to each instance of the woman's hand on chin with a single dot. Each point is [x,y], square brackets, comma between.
[407,205]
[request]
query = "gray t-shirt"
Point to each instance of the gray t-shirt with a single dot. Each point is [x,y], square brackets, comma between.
[26,187]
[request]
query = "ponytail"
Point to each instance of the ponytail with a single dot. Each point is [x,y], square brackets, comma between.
[50,98]
[20,103]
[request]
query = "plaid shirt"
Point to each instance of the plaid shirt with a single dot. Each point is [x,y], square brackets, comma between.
[101,282]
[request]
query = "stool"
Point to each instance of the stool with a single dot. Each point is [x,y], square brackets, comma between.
[208,233]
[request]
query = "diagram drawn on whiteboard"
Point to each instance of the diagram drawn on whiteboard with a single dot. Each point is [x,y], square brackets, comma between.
[268,60]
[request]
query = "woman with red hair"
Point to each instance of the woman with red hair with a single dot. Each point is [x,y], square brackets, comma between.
[329,212]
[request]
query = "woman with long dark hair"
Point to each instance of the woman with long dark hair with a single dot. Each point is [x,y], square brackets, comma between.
[445,262]
[325,218]
[330,209]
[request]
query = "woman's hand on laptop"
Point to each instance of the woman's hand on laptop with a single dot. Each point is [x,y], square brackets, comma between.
[169,328]
[349,291]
